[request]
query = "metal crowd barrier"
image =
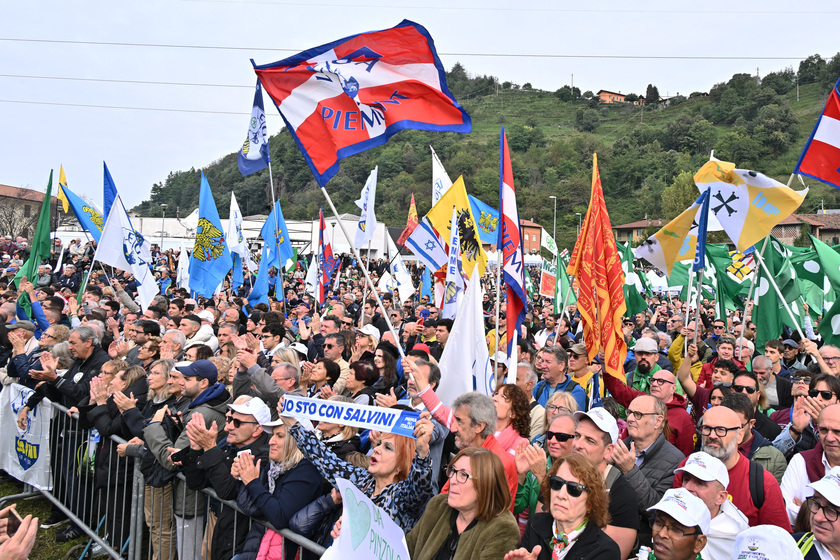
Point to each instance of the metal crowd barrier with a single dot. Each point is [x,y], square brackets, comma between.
[124,516]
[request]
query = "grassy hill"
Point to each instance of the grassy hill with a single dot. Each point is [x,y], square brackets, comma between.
[642,150]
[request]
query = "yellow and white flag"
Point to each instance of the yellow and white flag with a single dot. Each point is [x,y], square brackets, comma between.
[675,242]
[440,216]
[747,204]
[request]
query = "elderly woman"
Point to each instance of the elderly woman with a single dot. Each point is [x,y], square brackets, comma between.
[577,502]
[473,520]
[341,440]
[359,384]
[513,416]
[149,352]
[324,374]
[274,491]
[399,478]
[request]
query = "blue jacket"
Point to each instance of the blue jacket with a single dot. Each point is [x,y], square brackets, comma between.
[543,391]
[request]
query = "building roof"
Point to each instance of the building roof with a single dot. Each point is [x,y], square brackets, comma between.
[529,223]
[639,224]
[822,221]
[22,193]
[600,91]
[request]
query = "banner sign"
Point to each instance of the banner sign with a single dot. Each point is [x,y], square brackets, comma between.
[389,420]
[366,530]
[548,279]
[25,454]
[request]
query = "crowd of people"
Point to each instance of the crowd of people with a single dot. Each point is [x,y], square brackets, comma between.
[710,447]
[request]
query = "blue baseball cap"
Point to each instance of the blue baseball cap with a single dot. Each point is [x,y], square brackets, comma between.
[199,368]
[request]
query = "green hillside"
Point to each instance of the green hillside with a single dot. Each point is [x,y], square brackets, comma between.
[647,153]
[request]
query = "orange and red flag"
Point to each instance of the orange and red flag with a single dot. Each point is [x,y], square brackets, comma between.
[596,266]
[411,224]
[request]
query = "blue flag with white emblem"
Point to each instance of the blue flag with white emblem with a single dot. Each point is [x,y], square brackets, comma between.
[487,220]
[109,190]
[259,293]
[275,238]
[253,156]
[210,260]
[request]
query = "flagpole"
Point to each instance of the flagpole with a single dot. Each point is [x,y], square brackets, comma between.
[781,297]
[498,307]
[364,293]
[699,299]
[687,308]
[367,278]
[280,280]
[564,310]
[749,297]
[93,259]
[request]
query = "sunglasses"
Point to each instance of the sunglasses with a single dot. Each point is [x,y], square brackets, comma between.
[744,388]
[575,489]
[826,395]
[559,436]
[805,380]
[722,384]
[237,423]
[329,346]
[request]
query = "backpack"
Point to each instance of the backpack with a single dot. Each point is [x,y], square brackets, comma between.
[757,484]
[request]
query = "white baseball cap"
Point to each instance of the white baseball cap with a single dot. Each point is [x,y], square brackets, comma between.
[206,316]
[765,542]
[686,508]
[500,358]
[829,486]
[705,467]
[256,408]
[603,419]
[371,331]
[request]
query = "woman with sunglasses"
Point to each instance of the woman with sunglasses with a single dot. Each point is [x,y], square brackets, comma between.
[473,520]
[577,504]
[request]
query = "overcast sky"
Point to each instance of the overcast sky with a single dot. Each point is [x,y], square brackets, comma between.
[64,99]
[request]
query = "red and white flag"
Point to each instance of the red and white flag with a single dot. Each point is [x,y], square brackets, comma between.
[820,158]
[326,260]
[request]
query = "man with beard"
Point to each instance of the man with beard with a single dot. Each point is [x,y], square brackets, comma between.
[721,431]
[646,352]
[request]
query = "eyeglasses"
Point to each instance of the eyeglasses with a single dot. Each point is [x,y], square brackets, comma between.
[660,381]
[805,380]
[831,358]
[237,423]
[393,315]
[47,335]
[826,395]
[719,326]
[555,408]
[461,476]
[830,512]
[638,415]
[672,530]
[347,323]
[264,336]
[329,346]
[744,388]
[559,436]
[575,489]
[719,431]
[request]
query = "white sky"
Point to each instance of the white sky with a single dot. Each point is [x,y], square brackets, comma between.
[48,122]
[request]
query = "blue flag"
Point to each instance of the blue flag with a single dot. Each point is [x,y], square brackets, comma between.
[259,293]
[88,215]
[487,220]
[274,238]
[426,288]
[109,194]
[253,156]
[210,260]
[702,219]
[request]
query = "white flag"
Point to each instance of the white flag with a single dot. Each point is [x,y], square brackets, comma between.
[440,179]
[122,247]
[454,280]
[311,280]
[548,242]
[183,277]
[428,247]
[235,238]
[465,366]
[367,221]
[405,288]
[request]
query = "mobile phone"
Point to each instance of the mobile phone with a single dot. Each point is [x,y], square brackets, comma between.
[13,523]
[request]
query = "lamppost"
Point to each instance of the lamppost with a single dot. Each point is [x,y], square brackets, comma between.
[579,224]
[163,208]
[554,232]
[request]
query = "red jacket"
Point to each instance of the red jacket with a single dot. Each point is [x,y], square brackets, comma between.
[683,433]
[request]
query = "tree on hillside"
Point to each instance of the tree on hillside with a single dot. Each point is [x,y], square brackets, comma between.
[587,120]
[651,94]
[680,195]
[810,69]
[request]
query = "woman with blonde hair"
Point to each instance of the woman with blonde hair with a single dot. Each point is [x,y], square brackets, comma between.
[340,439]
[286,355]
[558,402]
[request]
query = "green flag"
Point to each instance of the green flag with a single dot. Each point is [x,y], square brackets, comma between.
[634,300]
[39,251]
[770,314]
[561,288]
[726,289]
[529,286]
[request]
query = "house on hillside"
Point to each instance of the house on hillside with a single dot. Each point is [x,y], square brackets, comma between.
[19,210]
[531,237]
[634,231]
[605,96]
[825,227]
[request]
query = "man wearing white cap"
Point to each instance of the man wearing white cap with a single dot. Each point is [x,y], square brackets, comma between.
[823,542]
[707,478]
[595,437]
[679,526]
[766,542]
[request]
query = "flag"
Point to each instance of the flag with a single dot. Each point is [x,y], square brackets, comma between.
[548,279]
[237,245]
[702,219]
[38,251]
[747,204]
[311,280]
[467,363]
[820,158]
[326,260]
[454,279]
[770,314]
[410,224]
[727,289]
[426,288]
[275,234]
[367,220]
[426,245]
[89,216]
[596,266]
[632,285]
[564,254]
[510,244]
[405,287]
[210,260]
[353,94]
[440,178]
[440,217]
[529,288]
[337,279]
[259,292]
[253,156]
[562,287]
[487,219]
[109,190]
[124,248]
[183,275]
[676,241]
[547,242]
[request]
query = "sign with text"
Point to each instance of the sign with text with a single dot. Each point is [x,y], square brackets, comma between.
[25,453]
[390,420]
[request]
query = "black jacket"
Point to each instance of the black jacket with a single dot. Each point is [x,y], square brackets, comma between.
[592,544]
[67,392]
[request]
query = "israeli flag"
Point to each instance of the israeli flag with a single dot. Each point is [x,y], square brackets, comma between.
[253,156]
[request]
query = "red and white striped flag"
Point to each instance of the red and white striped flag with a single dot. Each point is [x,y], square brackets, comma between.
[820,158]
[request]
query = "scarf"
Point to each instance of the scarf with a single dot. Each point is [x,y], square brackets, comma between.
[561,540]
[275,471]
